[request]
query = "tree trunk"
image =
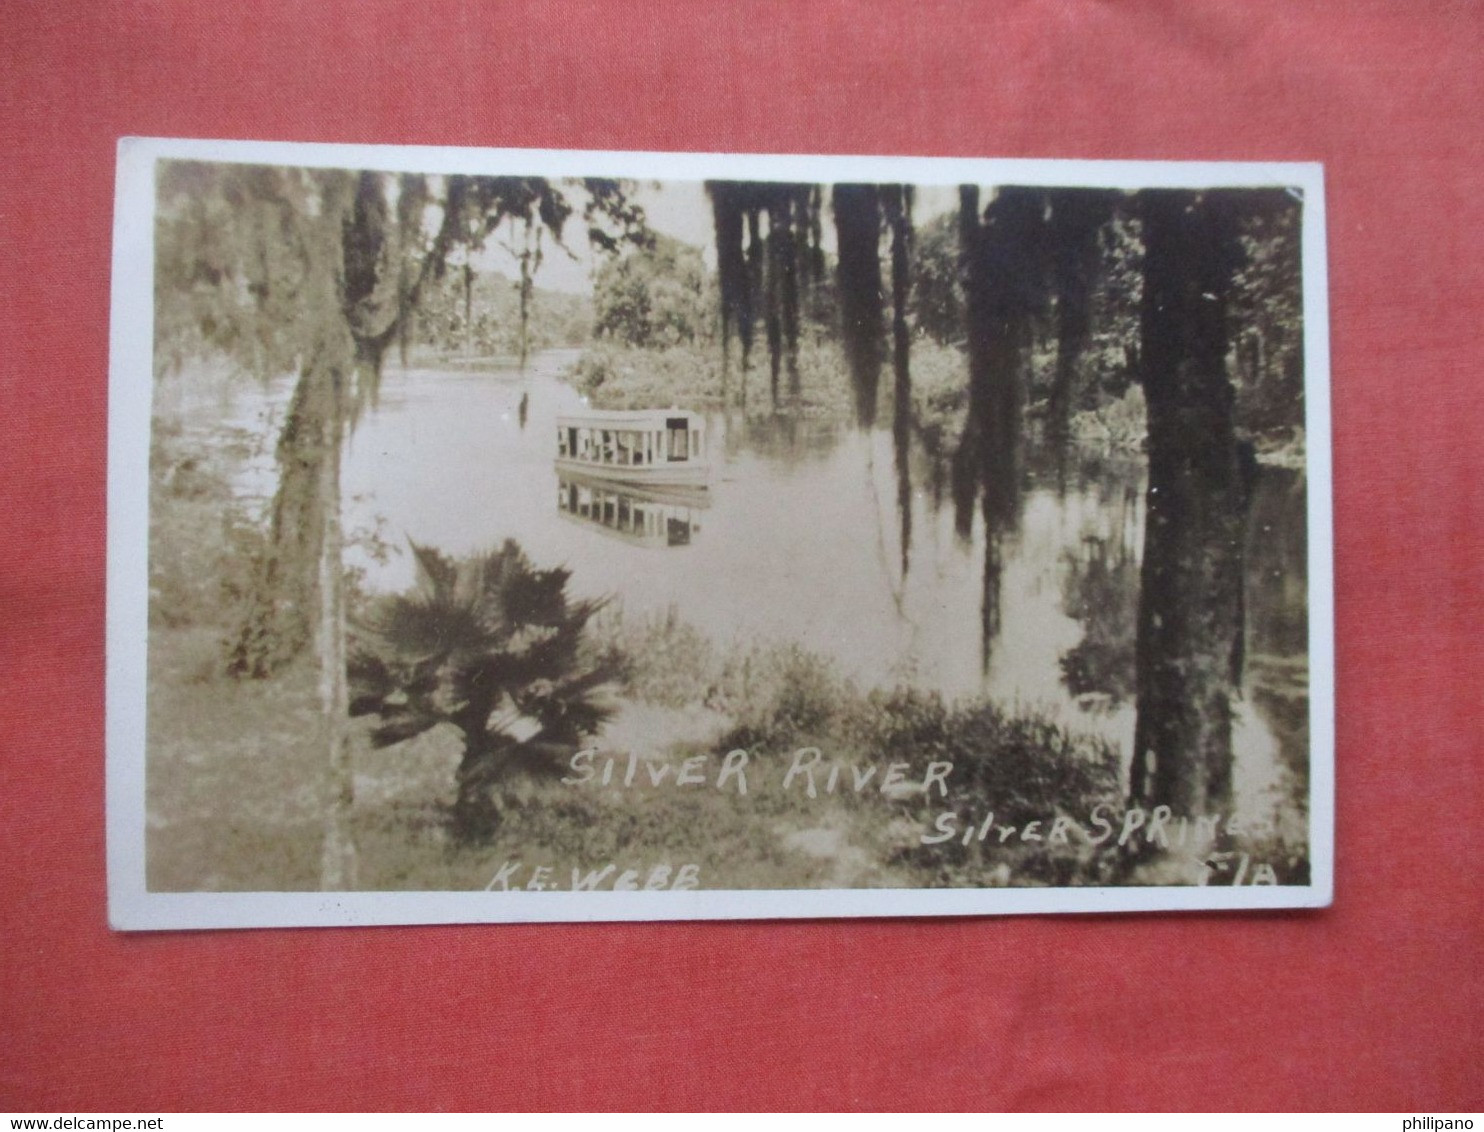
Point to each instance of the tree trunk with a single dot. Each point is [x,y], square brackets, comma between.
[338,859]
[476,816]
[279,618]
[1190,602]
[468,311]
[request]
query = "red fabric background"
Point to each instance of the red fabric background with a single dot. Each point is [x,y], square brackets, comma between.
[1375,1003]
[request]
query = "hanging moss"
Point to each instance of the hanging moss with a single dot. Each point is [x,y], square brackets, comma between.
[857,211]
[412,202]
[788,213]
[727,210]
[757,227]
[528,255]
[1076,217]
[897,204]
[1004,289]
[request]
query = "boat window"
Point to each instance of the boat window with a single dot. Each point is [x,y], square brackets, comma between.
[679,438]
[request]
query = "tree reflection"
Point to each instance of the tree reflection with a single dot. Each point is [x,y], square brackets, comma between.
[1100,590]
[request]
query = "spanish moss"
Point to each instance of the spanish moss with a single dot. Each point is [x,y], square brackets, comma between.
[1004,291]
[758,228]
[897,203]
[858,235]
[1077,216]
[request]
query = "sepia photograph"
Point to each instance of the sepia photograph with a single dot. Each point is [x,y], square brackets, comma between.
[523,535]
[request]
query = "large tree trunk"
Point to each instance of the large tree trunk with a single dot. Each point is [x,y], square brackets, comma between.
[1190,603]
[338,859]
[281,608]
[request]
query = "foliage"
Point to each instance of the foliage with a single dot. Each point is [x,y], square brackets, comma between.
[493,646]
[612,376]
[782,696]
[1100,590]
[487,323]
[1108,363]
[654,296]
[201,542]
[940,394]
[937,303]
[1116,425]
[1267,310]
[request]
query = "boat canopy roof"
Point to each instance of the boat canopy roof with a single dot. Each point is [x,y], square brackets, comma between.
[641,419]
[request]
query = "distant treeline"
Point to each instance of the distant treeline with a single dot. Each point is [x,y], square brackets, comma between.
[478,314]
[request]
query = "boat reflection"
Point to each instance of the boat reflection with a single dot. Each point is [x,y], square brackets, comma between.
[642,516]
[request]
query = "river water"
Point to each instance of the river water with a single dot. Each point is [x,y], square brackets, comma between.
[800,538]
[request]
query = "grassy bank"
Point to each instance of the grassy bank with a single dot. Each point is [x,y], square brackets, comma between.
[237,782]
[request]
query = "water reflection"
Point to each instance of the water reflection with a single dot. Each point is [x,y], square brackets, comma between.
[1277,635]
[1100,589]
[641,516]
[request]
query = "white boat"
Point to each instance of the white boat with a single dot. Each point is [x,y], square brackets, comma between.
[647,446]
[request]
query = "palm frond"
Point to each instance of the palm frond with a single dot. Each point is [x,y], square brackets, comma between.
[436,571]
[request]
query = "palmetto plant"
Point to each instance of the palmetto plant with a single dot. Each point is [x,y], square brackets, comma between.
[493,646]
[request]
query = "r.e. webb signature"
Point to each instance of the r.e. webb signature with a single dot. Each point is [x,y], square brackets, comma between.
[611,877]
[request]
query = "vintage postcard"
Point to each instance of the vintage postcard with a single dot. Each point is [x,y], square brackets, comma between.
[529,535]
